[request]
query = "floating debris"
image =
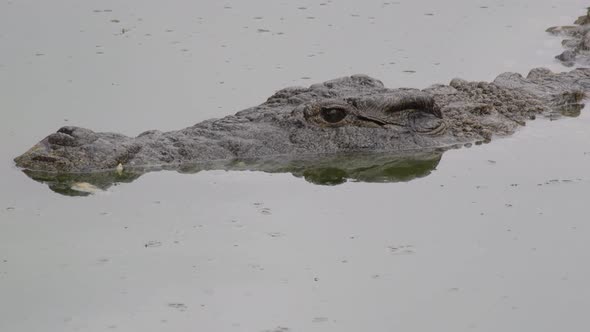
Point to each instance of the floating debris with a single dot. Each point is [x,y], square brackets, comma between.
[85,187]
[279,329]
[153,244]
[178,306]
[402,250]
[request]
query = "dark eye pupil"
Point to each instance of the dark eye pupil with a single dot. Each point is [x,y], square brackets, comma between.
[333,115]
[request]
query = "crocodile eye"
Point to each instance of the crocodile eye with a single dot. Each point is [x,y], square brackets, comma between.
[333,115]
[329,113]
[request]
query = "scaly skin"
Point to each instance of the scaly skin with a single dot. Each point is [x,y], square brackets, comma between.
[349,114]
[577,42]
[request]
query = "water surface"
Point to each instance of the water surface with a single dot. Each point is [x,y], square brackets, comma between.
[490,238]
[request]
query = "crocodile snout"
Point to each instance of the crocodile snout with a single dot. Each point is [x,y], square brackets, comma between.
[41,156]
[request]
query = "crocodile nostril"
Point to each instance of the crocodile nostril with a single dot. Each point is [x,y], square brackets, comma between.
[66,130]
[62,139]
[72,136]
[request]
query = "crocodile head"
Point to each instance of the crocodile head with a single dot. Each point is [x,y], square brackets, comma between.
[349,114]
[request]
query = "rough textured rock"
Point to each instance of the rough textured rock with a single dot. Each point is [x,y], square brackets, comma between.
[348,114]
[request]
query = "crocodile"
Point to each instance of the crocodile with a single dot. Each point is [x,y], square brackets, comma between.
[349,114]
[577,42]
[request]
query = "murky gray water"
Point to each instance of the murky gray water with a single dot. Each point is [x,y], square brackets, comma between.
[495,238]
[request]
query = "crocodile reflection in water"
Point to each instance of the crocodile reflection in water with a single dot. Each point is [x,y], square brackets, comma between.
[320,170]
